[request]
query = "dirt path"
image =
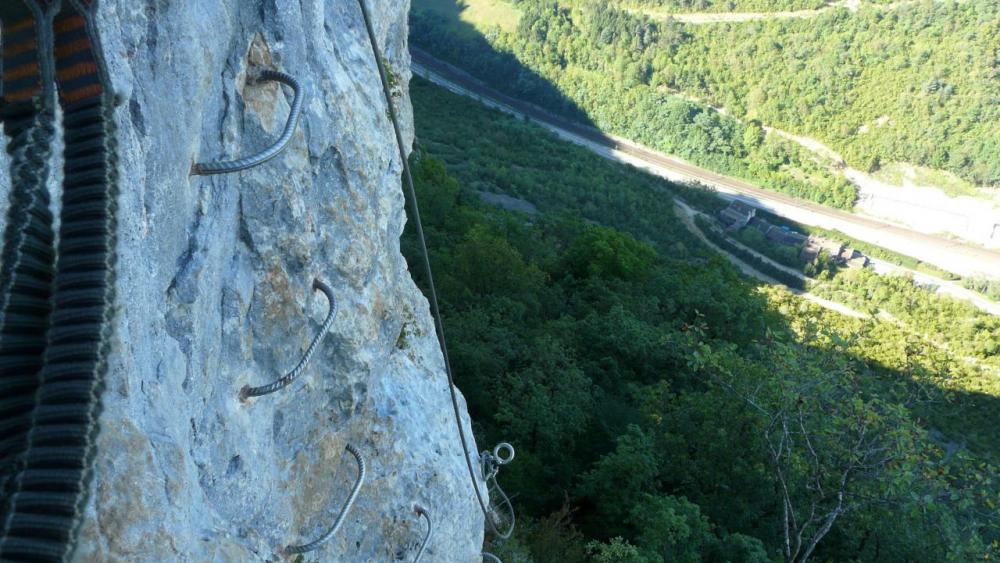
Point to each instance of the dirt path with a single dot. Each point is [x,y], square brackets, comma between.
[926,208]
[687,215]
[940,286]
[702,18]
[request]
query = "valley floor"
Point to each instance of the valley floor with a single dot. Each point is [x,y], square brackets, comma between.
[957,257]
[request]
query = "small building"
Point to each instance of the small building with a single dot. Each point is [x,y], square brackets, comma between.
[837,251]
[848,254]
[774,233]
[832,247]
[815,245]
[761,225]
[784,235]
[737,215]
[857,262]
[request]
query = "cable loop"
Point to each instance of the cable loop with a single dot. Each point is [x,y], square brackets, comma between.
[362,471]
[228,166]
[490,557]
[435,308]
[490,464]
[282,382]
[427,536]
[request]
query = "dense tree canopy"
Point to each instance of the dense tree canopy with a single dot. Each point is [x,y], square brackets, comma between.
[915,82]
[599,69]
[918,83]
[664,407]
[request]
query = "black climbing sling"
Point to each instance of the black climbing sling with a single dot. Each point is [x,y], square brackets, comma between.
[55,303]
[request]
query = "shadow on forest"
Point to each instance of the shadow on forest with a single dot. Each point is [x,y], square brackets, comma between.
[601,335]
[441,41]
[438,35]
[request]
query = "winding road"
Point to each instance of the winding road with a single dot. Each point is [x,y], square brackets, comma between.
[955,256]
[702,18]
[699,18]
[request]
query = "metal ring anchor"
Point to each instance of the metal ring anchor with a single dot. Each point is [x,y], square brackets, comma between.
[227,166]
[286,379]
[430,529]
[502,459]
[362,471]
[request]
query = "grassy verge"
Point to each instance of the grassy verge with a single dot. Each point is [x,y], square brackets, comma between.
[480,14]
[898,174]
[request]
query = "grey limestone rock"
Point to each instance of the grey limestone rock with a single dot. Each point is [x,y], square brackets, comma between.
[214,292]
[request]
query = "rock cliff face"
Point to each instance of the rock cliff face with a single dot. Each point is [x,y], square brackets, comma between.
[214,292]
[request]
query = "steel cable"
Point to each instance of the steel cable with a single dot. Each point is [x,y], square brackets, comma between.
[435,309]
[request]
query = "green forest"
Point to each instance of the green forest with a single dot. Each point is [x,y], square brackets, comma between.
[919,83]
[666,408]
[547,63]
[915,82]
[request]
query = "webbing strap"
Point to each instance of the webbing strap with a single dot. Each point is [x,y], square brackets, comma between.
[22,65]
[49,491]
[28,261]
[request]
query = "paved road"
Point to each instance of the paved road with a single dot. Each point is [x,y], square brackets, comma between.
[698,18]
[954,256]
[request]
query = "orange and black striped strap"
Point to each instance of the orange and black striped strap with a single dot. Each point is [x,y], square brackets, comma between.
[76,67]
[77,70]
[41,512]
[28,259]
[22,72]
